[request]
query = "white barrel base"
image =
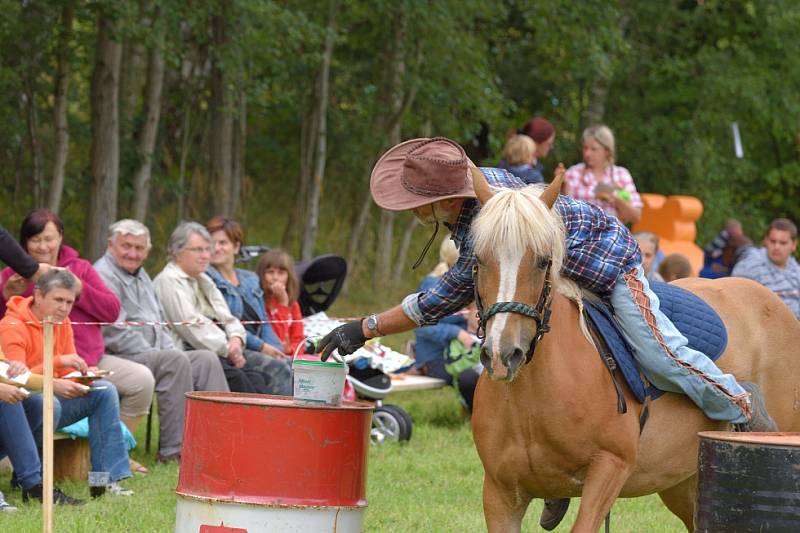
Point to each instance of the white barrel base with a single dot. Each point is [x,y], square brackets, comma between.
[193,513]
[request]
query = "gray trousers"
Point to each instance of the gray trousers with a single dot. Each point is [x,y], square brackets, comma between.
[177,372]
[277,372]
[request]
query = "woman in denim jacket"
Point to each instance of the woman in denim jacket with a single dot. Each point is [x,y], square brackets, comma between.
[240,287]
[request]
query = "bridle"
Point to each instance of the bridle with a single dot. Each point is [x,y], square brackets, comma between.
[540,314]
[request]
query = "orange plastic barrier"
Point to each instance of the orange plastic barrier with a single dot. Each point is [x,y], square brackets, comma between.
[673,219]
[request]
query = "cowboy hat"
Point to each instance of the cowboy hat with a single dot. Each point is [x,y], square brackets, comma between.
[418,172]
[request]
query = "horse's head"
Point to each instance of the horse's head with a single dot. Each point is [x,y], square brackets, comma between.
[519,245]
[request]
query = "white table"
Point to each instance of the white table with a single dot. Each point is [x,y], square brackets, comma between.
[416,382]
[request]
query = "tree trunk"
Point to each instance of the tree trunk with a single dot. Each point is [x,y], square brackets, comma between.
[185,138]
[383,270]
[34,146]
[60,108]
[402,252]
[239,145]
[221,134]
[320,155]
[293,223]
[149,131]
[105,138]
[596,110]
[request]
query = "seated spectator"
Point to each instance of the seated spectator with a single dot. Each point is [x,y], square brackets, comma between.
[188,295]
[21,338]
[175,371]
[239,287]
[42,235]
[648,245]
[518,154]
[721,254]
[600,182]
[281,290]
[773,265]
[433,340]
[675,266]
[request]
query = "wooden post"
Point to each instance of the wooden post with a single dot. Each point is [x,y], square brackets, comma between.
[47,439]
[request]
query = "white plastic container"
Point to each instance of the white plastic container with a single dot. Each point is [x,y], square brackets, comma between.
[318,382]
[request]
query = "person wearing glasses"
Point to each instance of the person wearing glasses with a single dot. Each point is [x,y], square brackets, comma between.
[201,317]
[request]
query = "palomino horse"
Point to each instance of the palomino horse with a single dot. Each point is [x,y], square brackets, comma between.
[549,428]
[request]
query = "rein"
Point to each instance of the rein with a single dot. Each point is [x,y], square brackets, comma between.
[540,314]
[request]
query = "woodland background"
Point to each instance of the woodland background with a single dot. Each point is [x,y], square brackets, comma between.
[274,112]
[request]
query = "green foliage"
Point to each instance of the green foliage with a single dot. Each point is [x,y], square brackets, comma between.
[677,75]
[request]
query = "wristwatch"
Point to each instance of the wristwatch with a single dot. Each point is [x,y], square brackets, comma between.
[372,326]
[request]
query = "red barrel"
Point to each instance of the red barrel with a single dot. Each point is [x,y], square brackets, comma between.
[246,450]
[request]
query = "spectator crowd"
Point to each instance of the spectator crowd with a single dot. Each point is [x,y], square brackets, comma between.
[180,331]
[203,324]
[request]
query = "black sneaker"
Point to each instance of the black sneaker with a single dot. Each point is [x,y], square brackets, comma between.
[553,513]
[59,498]
[760,421]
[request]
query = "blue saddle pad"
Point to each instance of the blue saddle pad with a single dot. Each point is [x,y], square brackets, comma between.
[698,322]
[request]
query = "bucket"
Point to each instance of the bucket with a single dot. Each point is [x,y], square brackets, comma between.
[257,463]
[748,482]
[318,382]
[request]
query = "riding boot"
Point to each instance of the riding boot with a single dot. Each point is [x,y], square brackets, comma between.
[553,513]
[760,421]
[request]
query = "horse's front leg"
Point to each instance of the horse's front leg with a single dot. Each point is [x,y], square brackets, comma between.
[605,477]
[503,507]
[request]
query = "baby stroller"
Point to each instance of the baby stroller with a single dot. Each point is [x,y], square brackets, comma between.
[321,280]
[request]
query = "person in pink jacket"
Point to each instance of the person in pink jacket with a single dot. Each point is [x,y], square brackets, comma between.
[42,235]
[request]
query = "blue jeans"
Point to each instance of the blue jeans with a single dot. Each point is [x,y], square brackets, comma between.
[665,357]
[16,441]
[108,451]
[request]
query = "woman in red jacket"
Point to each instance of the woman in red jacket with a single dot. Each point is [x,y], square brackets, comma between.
[281,290]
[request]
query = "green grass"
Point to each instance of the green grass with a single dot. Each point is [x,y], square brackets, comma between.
[431,484]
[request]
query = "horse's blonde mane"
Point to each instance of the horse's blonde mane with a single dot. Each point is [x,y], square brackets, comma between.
[514,221]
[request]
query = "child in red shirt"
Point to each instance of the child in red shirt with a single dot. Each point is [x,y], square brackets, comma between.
[281,290]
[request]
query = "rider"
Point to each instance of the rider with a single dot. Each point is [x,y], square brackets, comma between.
[431,178]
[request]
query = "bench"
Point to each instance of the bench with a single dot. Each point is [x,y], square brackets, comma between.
[71,458]
[411,382]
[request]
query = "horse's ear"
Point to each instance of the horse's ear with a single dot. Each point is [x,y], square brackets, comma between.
[481,186]
[550,194]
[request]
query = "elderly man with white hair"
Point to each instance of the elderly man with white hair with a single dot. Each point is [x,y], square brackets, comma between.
[148,342]
[194,303]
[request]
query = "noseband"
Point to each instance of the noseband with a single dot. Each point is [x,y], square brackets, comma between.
[540,314]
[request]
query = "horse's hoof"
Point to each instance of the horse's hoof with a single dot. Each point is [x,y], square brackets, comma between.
[553,513]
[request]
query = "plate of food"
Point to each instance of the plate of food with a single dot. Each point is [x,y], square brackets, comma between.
[89,377]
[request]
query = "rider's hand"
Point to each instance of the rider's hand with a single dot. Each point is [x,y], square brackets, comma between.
[346,338]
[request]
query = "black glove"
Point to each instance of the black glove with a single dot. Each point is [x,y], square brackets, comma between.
[346,338]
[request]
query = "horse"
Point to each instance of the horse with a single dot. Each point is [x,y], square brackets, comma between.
[545,420]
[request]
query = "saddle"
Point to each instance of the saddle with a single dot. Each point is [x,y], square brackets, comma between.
[693,317]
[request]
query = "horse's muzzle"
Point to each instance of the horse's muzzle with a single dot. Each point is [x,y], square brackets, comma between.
[502,367]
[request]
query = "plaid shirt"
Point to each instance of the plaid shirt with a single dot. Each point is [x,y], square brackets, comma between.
[581,183]
[598,248]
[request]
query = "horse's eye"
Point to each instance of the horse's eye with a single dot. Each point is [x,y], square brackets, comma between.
[542,263]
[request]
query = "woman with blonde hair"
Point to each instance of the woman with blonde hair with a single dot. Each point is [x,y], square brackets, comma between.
[599,181]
